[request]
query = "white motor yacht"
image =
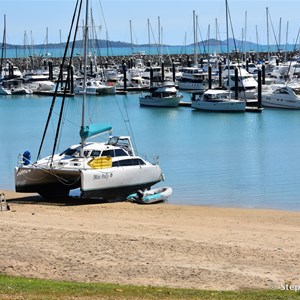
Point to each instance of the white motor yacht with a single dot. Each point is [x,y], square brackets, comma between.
[282,96]
[247,85]
[218,100]
[193,78]
[94,87]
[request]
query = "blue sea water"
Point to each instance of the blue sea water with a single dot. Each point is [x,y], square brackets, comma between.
[125,51]
[249,160]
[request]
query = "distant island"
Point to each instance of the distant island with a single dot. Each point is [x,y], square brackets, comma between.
[100,43]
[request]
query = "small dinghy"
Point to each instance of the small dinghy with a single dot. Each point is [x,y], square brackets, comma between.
[151,196]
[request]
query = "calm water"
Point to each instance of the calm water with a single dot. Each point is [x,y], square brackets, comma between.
[219,159]
[119,51]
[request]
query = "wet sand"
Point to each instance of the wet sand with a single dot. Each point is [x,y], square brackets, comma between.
[160,245]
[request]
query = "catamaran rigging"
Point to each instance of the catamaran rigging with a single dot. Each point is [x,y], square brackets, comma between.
[106,170]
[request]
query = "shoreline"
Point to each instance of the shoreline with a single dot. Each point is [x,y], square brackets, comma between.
[161,245]
[11,195]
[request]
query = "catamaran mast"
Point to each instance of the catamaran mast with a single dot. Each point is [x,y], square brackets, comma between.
[86,32]
[59,79]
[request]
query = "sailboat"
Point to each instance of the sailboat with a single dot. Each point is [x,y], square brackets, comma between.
[103,170]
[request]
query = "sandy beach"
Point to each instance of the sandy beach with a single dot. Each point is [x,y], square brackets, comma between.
[159,245]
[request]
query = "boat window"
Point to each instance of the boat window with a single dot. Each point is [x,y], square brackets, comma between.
[69,152]
[123,143]
[110,153]
[157,95]
[95,153]
[120,152]
[297,91]
[128,162]
[113,141]
[207,96]
[281,91]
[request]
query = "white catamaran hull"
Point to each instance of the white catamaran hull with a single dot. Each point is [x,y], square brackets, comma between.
[118,182]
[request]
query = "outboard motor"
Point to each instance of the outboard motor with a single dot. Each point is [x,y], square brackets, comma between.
[26,158]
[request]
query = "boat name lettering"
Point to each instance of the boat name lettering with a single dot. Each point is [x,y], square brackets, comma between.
[102,176]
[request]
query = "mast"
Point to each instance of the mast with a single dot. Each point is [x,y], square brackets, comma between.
[60,40]
[149,41]
[256,33]
[227,37]
[185,51]
[245,39]
[78,2]
[3,54]
[286,41]
[159,39]
[86,32]
[216,45]
[208,44]
[195,38]
[32,50]
[279,35]
[47,41]
[131,41]
[268,41]
[25,46]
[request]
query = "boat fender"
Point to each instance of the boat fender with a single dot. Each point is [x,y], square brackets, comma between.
[26,158]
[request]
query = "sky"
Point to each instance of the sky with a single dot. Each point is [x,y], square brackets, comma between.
[112,18]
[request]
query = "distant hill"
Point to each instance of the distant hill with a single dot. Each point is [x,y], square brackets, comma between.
[232,43]
[78,44]
[237,44]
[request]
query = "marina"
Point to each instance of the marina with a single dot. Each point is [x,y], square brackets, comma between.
[216,159]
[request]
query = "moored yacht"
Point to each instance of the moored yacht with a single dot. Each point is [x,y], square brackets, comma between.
[4,90]
[247,85]
[16,86]
[218,100]
[10,71]
[38,82]
[193,78]
[282,96]
[163,94]
[94,87]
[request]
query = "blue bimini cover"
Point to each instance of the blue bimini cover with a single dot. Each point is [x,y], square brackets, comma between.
[94,129]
